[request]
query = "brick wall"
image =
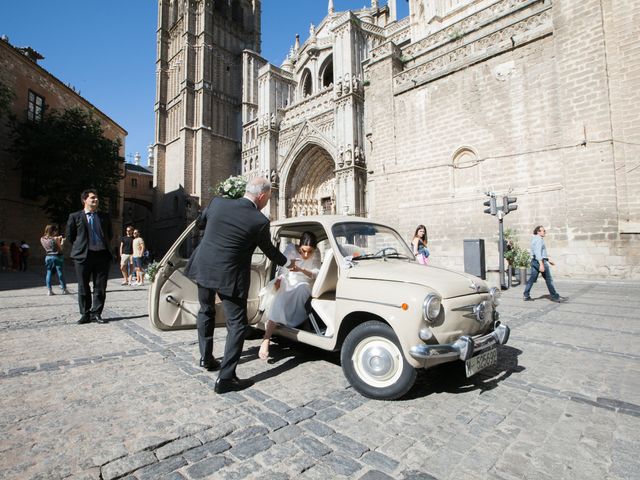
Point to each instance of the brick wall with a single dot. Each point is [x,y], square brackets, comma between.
[20,218]
[518,118]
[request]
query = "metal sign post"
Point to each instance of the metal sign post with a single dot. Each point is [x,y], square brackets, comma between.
[508,205]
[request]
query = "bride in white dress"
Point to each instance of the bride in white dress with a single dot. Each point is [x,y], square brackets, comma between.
[292,288]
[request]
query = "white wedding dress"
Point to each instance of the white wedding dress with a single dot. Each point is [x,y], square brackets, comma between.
[287,305]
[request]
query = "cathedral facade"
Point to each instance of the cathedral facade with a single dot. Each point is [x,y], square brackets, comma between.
[411,121]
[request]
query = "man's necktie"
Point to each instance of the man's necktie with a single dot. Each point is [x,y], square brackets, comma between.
[95,238]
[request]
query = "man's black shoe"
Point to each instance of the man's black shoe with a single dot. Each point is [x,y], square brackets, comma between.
[210,365]
[84,319]
[528,299]
[98,319]
[231,385]
[560,299]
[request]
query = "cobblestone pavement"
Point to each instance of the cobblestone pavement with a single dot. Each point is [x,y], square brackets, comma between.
[122,400]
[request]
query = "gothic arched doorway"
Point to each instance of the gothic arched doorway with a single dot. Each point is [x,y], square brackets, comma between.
[310,185]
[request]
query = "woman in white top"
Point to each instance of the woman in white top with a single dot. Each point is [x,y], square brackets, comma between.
[293,288]
[138,253]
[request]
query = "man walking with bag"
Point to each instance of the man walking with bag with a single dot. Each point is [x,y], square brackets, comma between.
[540,264]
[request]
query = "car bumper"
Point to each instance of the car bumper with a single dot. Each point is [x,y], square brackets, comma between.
[462,349]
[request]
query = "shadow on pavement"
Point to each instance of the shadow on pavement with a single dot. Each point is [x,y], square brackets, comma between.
[451,377]
[448,377]
[34,277]
[118,319]
[293,353]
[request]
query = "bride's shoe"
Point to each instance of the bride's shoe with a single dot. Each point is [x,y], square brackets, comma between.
[263,354]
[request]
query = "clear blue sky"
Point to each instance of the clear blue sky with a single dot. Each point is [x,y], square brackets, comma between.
[107,49]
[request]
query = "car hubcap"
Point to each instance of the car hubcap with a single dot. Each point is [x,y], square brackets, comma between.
[377,361]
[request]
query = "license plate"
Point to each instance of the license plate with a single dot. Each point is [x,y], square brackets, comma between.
[482,361]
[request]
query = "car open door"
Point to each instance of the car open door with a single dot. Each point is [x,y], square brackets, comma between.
[173,298]
[259,266]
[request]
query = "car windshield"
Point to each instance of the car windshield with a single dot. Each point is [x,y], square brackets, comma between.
[363,241]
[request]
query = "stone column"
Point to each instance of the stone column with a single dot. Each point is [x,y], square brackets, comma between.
[349,116]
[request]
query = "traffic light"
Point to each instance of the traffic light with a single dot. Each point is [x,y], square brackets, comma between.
[491,203]
[508,204]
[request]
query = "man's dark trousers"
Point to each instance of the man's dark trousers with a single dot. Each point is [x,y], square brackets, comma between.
[535,271]
[235,312]
[94,268]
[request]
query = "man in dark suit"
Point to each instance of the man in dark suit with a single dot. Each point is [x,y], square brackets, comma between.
[222,264]
[90,232]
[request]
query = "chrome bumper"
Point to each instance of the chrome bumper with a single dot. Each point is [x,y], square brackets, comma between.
[464,348]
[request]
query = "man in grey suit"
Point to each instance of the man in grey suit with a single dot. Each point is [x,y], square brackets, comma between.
[222,264]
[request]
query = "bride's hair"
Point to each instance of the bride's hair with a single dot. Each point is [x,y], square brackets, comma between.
[308,239]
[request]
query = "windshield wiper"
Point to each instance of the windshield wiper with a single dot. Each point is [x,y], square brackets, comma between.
[370,256]
[367,256]
[396,255]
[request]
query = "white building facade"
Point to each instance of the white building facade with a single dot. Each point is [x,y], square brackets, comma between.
[410,121]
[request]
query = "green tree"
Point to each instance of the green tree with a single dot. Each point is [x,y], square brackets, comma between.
[6,97]
[63,154]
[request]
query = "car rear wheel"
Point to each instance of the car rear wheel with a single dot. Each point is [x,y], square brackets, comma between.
[373,363]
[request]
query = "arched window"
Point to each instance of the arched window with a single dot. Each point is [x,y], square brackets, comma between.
[466,170]
[307,83]
[326,72]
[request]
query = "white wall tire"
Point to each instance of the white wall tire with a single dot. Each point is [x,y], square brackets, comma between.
[372,361]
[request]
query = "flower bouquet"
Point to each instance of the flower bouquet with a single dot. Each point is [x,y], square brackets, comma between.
[232,187]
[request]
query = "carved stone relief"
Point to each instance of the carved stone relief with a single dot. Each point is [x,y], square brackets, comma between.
[310,182]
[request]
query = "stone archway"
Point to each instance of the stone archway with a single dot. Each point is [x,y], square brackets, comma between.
[310,184]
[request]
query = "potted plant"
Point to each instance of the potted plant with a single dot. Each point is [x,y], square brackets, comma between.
[522,261]
[517,257]
[510,249]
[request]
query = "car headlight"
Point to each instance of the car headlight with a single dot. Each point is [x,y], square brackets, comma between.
[495,296]
[431,307]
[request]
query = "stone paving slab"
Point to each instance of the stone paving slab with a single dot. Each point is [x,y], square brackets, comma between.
[123,400]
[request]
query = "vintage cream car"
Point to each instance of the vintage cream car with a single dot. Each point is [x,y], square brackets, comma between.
[387,314]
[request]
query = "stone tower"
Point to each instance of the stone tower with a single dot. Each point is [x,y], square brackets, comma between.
[198,101]
[303,121]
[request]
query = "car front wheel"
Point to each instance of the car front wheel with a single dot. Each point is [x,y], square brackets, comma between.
[373,362]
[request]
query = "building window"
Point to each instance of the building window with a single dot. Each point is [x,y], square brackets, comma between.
[237,14]
[36,107]
[466,170]
[307,86]
[134,183]
[327,72]
[150,184]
